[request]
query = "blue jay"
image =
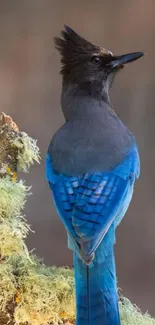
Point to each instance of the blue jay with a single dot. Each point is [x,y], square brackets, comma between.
[91,167]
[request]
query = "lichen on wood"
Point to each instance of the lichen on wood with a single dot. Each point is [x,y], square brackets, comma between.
[8,153]
[17,149]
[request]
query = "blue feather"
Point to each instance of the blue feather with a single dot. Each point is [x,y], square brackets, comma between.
[89,204]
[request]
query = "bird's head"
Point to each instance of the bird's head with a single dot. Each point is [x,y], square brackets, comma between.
[89,66]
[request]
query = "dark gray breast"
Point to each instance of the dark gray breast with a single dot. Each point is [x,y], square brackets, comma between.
[90,143]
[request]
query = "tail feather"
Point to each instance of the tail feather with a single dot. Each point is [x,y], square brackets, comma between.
[96,291]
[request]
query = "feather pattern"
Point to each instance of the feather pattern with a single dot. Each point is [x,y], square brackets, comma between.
[89,204]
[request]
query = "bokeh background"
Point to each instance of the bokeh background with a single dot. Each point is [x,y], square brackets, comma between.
[30,87]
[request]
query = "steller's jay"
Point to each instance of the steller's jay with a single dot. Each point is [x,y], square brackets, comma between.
[91,166]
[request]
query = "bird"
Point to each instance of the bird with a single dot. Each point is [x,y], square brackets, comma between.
[92,164]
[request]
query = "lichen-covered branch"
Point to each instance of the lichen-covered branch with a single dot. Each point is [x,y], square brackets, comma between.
[30,292]
[8,153]
[17,149]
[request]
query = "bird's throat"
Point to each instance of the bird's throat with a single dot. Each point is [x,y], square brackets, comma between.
[78,103]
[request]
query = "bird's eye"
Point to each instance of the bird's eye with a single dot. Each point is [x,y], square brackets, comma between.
[95,59]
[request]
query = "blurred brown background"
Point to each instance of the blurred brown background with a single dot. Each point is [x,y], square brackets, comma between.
[30,88]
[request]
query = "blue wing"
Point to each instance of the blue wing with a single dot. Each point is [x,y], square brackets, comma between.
[89,204]
[98,202]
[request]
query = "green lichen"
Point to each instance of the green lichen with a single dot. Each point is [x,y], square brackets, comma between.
[131,314]
[47,293]
[12,198]
[11,238]
[28,151]
[7,285]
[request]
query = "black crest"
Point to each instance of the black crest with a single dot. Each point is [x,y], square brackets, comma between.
[72,48]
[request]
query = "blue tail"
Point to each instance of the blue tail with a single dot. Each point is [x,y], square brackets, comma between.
[96,291]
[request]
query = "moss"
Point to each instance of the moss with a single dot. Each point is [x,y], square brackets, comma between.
[28,151]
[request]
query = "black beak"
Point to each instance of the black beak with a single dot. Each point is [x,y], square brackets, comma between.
[118,61]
